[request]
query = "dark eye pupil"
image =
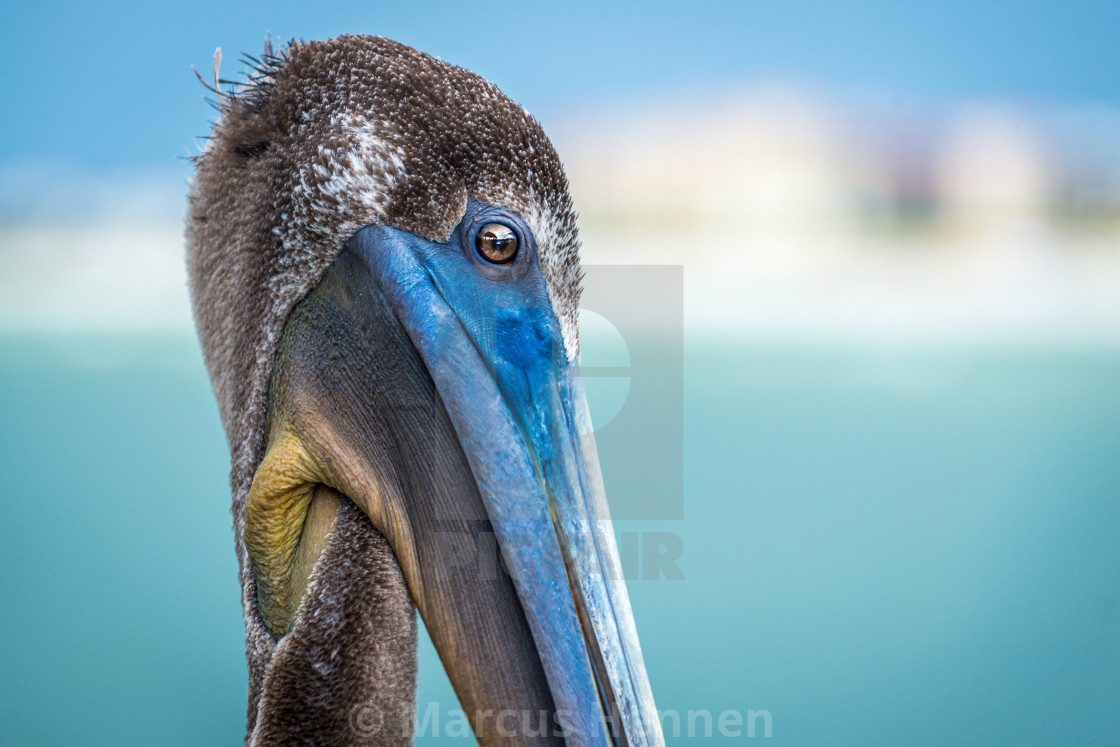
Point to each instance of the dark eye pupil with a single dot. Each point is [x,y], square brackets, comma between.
[496,243]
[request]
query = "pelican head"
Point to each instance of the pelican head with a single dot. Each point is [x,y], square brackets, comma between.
[384,270]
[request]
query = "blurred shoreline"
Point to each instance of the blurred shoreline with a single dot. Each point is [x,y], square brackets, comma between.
[796,215]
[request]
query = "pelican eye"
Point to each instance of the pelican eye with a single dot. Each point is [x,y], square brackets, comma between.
[496,243]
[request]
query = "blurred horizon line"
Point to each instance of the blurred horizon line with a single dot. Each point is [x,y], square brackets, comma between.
[796,211]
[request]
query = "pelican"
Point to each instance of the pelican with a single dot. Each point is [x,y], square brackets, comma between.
[384,271]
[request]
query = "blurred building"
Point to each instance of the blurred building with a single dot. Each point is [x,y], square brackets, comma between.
[797,213]
[784,155]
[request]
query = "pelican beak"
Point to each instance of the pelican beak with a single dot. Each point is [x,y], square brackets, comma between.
[436,394]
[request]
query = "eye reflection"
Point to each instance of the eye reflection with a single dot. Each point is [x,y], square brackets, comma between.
[496,243]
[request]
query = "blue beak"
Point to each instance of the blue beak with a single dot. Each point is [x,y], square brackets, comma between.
[492,345]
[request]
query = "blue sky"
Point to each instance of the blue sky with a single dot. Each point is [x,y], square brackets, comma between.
[107,88]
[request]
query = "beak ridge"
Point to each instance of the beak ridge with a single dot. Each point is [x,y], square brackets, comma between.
[438,396]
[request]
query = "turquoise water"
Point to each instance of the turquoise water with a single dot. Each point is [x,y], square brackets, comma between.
[913,546]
